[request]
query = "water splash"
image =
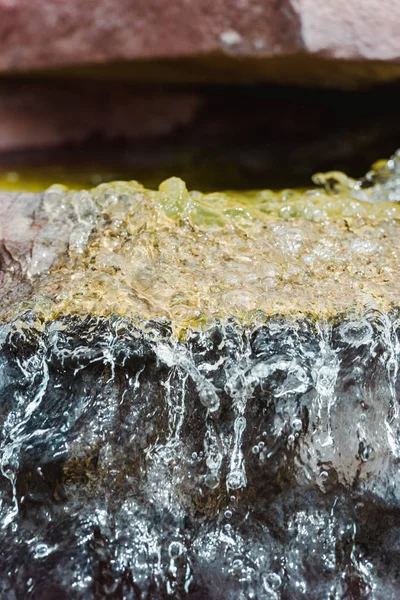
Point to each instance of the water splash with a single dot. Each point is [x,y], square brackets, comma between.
[119,478]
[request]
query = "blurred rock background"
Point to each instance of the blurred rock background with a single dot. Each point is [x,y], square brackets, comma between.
[224,93]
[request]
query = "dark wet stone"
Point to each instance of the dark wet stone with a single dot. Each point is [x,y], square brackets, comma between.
[117,481]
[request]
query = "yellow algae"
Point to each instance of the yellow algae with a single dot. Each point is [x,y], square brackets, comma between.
[192,258]
[38,179]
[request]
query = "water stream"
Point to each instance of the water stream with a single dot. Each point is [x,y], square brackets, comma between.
[252,462]
[200,393]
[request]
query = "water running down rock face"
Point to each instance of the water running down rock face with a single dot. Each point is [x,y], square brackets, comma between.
[156,443]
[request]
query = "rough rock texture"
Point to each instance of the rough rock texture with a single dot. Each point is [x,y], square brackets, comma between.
[199,394]
[52,34]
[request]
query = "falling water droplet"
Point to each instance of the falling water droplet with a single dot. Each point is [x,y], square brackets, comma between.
[236,478]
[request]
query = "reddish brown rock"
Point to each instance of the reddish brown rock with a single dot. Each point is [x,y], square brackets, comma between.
[213,34]
[46,33]
[42,115]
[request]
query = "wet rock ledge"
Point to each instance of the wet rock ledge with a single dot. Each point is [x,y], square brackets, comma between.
[200,393]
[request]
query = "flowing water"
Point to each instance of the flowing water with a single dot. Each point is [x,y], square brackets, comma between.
[242,458]
[249,462]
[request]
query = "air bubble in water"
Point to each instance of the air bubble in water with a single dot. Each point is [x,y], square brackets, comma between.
[209,399]
[357,333]
[175,549]
[272,582]
[211,480]
[41,550]
[297,424]
[236,480]
[366,452]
